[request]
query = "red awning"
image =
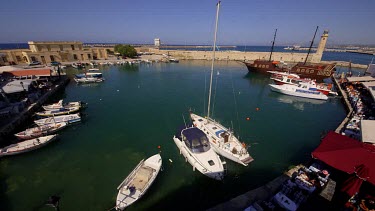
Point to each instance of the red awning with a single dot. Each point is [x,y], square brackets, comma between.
[30,72]
[345,154]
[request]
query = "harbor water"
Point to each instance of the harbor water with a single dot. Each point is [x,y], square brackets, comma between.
[138,108]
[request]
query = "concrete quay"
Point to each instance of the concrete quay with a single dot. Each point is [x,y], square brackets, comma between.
[260,194]
[17,120]
[347,103]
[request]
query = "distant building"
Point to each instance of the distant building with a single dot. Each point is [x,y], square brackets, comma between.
[47,52]
[157,42]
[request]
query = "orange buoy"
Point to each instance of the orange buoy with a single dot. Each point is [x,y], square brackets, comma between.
[247,118]
[257,109]
[159,147]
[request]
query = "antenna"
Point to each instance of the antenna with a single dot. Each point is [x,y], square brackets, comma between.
[311,44]
[273,44]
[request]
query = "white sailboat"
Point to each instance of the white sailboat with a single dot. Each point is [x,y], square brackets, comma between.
[222,139]
[137,183]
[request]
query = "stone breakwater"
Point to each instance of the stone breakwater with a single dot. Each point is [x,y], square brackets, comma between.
[289,57]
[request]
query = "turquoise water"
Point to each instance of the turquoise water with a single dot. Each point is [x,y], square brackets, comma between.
[139,108]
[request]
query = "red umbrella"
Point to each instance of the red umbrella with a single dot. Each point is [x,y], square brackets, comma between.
[353,184]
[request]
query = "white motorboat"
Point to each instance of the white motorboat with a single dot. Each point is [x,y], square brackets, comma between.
[58,112]
[71,118]
[26,146]
[60,104]
[302,90]
[137,183]
[195,147]
[223,140]
[40,131]
[281,78]
[93,69]
[92,77]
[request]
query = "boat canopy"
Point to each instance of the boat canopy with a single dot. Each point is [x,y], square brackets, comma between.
[196,140]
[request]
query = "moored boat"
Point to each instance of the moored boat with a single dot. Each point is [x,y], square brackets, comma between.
[58,112]
[26,146]
[40,131]
[195,147]
[138,182]
[93,77]
[281,78]
[302,90]
[71,118]
[223,140]
[60,104]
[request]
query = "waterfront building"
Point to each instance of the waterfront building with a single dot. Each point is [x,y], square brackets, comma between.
[47,52]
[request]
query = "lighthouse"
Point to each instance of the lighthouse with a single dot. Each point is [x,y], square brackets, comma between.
[322,44]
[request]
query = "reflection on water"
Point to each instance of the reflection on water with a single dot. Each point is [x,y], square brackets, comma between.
[298,102]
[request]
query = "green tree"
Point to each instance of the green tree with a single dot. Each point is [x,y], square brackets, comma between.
[126,50]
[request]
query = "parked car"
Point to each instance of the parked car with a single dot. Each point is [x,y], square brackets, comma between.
[55,63]
[35,63]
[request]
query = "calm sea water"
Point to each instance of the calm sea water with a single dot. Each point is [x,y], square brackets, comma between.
[139,108]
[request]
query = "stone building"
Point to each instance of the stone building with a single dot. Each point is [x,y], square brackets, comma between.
[46,52]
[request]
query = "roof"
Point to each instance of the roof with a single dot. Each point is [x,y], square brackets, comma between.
[360,79]
[16,86]
[371,88]
[344,153]
[368,131]
[8,69]
[29,72]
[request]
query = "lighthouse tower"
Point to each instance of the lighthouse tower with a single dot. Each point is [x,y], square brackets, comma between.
[322,44]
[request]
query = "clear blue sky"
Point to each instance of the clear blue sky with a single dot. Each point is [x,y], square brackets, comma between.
[242,22]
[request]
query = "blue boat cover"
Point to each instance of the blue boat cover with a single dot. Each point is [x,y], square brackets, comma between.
[193,133]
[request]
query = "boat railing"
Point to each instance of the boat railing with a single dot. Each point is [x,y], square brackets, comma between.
[131,175]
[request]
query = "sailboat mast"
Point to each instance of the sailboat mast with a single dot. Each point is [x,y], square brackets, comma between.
[273,44]
[213,60]
[311,44]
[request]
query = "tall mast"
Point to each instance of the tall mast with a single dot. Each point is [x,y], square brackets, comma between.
[273,44]
[311,44]
[213,59]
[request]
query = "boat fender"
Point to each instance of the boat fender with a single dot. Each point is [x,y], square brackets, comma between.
[170,160]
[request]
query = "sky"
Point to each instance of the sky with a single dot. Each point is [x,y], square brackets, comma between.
[241,22]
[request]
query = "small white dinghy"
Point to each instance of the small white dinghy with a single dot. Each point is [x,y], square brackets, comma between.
[40,131]
[58,112]
[71,118]
[138,182]
[26,146]
[60,105]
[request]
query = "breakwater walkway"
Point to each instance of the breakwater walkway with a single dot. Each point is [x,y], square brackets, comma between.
[260,194]
[17,120]
[347,103]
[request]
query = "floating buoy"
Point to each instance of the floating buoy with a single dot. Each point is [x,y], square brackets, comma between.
[170,160]
[257,109]
[118,90]
[100,99]
[159,147]
[247,118]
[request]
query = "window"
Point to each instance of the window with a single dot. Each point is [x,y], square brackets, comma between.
[211,162]
[52,58]
[267,66]
[75,57]
[18,59]
[33,58]
[302,70]
[89,56]
[298,70]
[72,47]
[312,71]
[82,58]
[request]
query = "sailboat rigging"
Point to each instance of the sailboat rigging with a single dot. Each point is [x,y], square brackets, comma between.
[222,139]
